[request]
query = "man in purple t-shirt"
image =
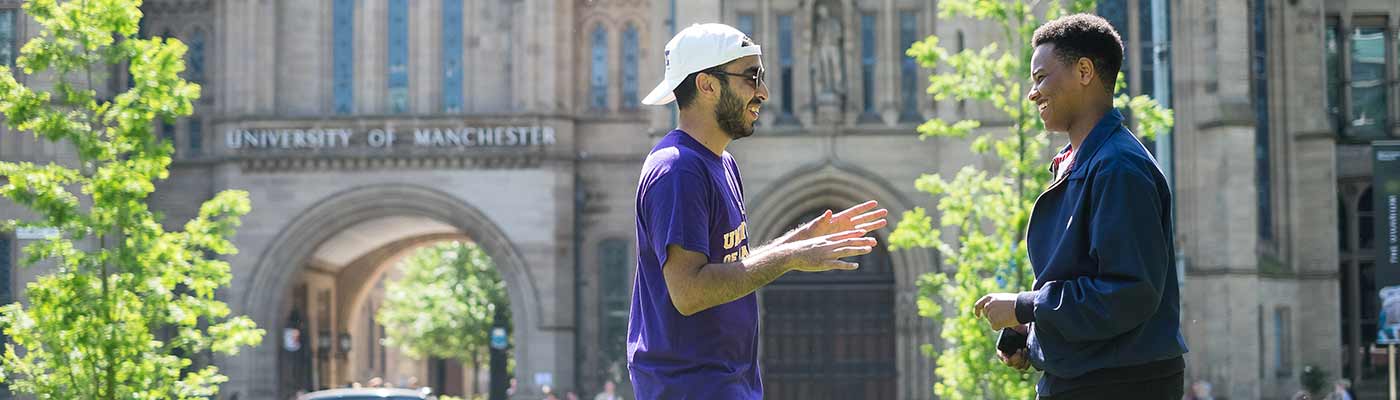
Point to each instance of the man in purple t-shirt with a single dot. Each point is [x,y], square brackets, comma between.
[693,332]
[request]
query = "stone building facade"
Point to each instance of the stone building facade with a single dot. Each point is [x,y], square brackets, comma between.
[366,128]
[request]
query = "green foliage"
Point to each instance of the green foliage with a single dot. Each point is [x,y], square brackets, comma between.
[445,304]
[984,213]
[1314,380]
[127,304]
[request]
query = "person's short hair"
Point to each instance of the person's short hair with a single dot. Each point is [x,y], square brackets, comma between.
[1088,36]
[685,93]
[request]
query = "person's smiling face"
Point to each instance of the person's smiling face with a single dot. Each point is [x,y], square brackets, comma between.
[1056,85]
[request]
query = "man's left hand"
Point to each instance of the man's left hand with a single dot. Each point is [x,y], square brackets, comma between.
[999,309]
[863,216]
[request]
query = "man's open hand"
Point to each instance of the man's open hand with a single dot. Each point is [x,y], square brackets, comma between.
[863,216]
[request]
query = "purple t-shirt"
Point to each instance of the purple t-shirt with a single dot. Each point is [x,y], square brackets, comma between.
[690,197]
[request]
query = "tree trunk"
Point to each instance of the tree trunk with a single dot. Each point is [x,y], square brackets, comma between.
[476,372]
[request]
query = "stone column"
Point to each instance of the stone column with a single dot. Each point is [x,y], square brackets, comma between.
[302,50]
[1215,195]
[1308,183]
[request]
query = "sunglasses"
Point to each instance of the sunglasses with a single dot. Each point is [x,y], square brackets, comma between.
[755,78]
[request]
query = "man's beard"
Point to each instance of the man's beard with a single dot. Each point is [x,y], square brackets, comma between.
[729,113]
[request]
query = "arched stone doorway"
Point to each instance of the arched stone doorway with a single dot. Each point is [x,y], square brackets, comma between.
[333,304]
[294,250]
[831,335]
[883,293]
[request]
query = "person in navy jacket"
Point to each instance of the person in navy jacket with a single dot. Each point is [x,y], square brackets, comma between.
[1103,318]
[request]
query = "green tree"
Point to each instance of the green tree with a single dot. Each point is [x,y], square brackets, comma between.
[127,303]
[445,304]
[983,214]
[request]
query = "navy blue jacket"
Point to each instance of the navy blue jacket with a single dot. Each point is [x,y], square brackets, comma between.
[1101,244]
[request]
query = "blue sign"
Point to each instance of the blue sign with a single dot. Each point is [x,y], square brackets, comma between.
[498,338]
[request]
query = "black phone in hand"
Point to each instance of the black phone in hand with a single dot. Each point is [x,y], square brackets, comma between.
[1010,341]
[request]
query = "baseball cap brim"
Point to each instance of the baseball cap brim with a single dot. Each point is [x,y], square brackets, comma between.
[663,93]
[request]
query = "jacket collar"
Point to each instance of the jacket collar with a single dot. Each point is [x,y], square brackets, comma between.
[1107,125]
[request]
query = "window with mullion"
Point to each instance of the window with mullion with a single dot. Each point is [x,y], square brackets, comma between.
[9,36]
[614,296]
[908,67]
[167,133]
[867,61]
[343,56]
[1283,341]
[196,56]
[1116,12]
[630,47]
[1259,85]
[195,134]
[398,56]
[1369,102]
[1146,51]
[745,23]
[598,80]
[1332,48]
[785,62]
[452,77]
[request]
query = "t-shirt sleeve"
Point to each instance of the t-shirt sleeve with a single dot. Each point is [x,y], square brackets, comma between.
[677,212]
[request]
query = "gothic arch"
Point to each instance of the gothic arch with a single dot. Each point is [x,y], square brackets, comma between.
[277,266]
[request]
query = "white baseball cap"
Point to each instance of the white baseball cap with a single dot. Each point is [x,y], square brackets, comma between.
[695,49]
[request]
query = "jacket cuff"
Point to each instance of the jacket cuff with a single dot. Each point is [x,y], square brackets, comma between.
[1025,307]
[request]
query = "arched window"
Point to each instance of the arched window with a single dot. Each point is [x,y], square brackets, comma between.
[1369,96]
[867,61]
[1366,221]
[630,48]
[1332,42]
[598,81]
[343,56]
[9,37]
[195,131]
[167,132]
[1343,234]
[452,56]
[1146,52]
[909,68]
[785,63]
[398,56]
[1116,13]
[746,23]
[1259,85]
[614,265]
[196,56]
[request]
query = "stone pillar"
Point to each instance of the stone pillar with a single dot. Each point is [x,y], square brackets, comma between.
[425,57]
[1215,196]
[371,57]
[302,49]
[1308,184]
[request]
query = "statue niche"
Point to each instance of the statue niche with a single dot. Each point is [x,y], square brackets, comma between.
[828,53]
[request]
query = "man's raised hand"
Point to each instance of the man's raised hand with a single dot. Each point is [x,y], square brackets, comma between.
[863,216]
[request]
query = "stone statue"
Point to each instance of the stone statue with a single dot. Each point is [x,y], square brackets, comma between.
[829,76]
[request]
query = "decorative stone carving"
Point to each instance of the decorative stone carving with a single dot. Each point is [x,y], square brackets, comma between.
[827,72]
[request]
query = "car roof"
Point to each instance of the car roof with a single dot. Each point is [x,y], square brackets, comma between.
[361,392]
